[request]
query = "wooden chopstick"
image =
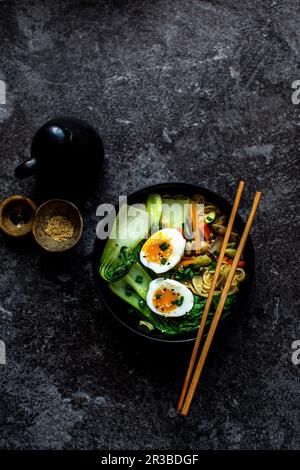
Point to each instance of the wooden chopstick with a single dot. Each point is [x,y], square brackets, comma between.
[210,295]
[218,313]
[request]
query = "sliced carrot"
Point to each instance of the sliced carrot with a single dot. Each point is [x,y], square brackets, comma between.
[186,262]
[201,259]
[227,260]
[207,231]
[195,228]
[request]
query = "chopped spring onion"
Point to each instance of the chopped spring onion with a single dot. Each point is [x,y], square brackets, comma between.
[210,217]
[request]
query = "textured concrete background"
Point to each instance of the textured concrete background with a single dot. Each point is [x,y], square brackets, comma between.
[180,91]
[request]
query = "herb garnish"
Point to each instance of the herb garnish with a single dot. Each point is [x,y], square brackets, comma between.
[164,246]
[128,290]
[178,302]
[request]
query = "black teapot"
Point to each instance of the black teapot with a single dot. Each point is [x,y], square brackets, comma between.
[65,153]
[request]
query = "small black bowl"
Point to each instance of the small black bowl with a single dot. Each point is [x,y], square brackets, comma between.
[119,309]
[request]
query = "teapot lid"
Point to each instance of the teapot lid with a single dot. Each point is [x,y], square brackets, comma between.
[49,138]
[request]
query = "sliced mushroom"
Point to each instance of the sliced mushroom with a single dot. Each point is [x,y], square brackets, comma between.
[216,247]
[190,247]
[219,229]
[222,220]
[233,237]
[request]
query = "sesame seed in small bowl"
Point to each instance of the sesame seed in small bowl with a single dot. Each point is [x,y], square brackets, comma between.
[58,225]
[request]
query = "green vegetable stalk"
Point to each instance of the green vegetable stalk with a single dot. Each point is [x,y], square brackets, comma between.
[130,227]
[139,280]
[154,208]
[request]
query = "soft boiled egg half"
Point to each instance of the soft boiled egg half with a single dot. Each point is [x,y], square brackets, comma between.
[163,250]
[169,298]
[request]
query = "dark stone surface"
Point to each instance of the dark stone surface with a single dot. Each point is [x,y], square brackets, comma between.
[180,91]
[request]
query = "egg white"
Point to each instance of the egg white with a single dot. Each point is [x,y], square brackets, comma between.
[188,298]
[177,242]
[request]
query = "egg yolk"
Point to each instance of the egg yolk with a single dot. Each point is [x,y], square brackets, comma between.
[163,298]
[158,250]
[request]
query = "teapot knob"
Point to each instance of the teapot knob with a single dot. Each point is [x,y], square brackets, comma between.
[50,135]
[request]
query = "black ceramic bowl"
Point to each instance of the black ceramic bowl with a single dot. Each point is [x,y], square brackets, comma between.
[119,309]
